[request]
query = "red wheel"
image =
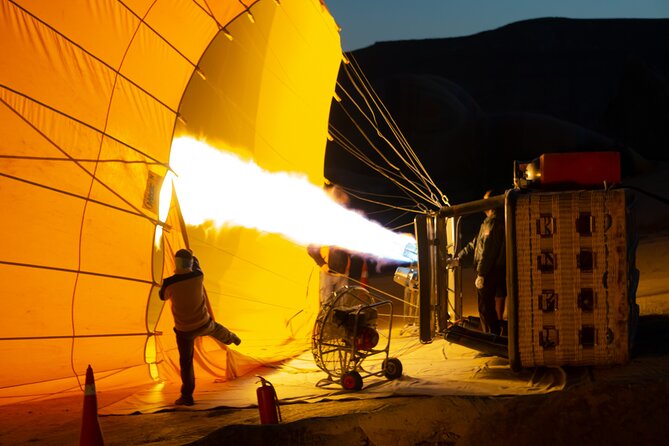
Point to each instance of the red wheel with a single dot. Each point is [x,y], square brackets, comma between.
[351,381]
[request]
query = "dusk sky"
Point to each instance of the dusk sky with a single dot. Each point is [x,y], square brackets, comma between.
[365,22]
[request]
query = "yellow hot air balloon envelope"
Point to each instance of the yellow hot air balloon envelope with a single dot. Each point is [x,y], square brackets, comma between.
[92,94]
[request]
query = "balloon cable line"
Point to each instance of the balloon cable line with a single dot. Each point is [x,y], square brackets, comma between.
[80,122]
[91,184]
[79,160]
[375,194]
[247,261]
[207,10]
[406,225]
[424,190]
[248,299]
[390,122]
[395,219]
[428,197]
[79,271]
[112,69]
[375,106]
[396,173]
[90,174]
[81,197]
[372,121]
[98,335]
[381,170]
[392,176]
[157,34]
[355,67]
[387,205]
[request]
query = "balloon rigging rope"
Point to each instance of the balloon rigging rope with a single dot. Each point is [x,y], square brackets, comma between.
[415,189]
[92,182]
[389,206]
[80,160]
[419,208]
[389,123]
[417,165]
[376,149]
[393,125]
[82,123]
[247,261]
[90,174]
[157,34]
[81,197]
[412,188]
[112,69]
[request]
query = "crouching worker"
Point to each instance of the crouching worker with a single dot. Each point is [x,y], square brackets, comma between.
[193,317]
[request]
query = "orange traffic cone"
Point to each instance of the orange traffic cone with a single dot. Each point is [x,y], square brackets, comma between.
[91,435]
[364,275]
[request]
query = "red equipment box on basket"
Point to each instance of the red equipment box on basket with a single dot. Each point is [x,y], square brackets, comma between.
[560,170]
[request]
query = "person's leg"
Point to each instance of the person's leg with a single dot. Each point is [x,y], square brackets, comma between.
[486,301]
[499,307]
[185,346]
[500,298]
[329,284]
[222,334]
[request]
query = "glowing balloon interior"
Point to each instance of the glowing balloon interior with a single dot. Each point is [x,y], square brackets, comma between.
[92,95]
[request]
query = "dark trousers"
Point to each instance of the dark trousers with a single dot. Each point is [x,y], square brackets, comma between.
[185,344]
[494,285]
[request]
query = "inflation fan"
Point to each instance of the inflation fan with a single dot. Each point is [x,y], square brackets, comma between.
[352,326]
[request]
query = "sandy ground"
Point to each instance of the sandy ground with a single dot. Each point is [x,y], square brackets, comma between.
[599,405]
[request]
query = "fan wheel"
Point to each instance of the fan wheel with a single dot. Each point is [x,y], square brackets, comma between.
[392,368]
[351,381]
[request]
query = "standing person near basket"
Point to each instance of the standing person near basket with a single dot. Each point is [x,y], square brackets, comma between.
[193,317]
[334,262]
[490,267]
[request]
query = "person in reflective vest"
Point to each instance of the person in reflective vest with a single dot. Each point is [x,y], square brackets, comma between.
[334,262]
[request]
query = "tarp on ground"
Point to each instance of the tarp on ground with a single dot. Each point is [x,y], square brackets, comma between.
[438,368]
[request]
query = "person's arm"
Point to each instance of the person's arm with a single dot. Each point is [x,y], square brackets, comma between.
[208,304]
[315,253]
[163,288]
[466,250]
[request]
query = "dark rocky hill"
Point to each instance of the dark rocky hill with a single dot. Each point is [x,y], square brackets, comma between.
[469,106]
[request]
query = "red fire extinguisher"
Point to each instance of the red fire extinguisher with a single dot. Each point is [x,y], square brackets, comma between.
[268,403]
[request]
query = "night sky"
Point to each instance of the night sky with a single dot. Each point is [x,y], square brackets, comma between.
[365,22]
